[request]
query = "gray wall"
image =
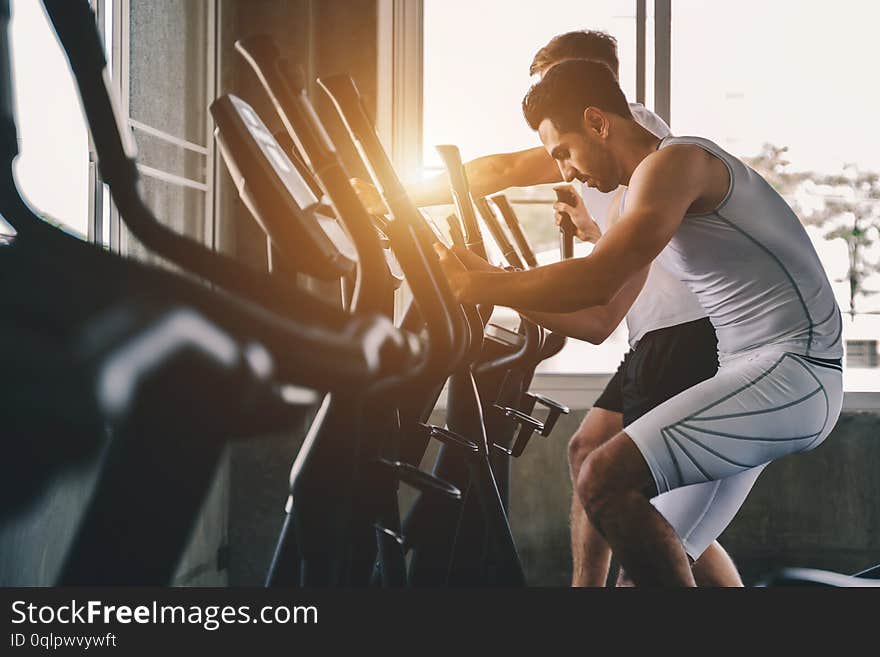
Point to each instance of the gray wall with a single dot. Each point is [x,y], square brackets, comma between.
[33,543]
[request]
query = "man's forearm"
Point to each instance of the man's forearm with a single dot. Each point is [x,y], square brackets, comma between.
[434,191]
[488,175]
[543,289]
[594,324]
[485,176]
[590,325]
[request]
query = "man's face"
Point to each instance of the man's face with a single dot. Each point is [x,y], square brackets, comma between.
[582,156]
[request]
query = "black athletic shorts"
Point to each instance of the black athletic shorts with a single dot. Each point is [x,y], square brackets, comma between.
[664,363]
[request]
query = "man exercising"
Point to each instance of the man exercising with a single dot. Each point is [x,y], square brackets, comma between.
[724,232]
[672,343]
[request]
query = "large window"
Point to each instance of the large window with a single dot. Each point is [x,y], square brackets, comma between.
[161,57]
[477,57]
[170,85]
[791,87]
[788,86]
[53,166]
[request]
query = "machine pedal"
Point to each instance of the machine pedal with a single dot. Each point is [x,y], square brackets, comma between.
[421,480]
[555,411]
[451,438]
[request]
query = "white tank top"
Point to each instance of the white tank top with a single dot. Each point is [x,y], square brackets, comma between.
[664,301]
[753,268]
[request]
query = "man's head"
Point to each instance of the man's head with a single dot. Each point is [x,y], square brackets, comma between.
[583,44]
[575,108]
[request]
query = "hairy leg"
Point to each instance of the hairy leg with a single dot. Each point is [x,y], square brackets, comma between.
[716,568]
[590,554]
[713,568]
[615,486]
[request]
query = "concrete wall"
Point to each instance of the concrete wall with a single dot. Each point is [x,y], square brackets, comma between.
[34,542]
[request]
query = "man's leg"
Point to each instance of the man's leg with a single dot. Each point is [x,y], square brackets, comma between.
[716,568]
[698,509]
[713,568]
[664,363]
[616,486]
[719,433]
[590,554]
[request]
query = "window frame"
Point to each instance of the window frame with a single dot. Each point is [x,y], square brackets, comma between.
[117,43]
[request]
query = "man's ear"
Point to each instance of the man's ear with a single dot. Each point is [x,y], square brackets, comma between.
[595,121]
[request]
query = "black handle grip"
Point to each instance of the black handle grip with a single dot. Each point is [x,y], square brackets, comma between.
[567,230]
[510,218]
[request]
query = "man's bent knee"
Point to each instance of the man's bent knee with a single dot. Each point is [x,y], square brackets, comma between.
[580,447]
[594,485]
[611,474]
[598,427]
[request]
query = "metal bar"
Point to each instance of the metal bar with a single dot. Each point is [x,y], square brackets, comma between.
[96,213]
[95,188]
[119,59]
[384,70]
[662,58]
[641,51]
[211,165]
[177,141]
[408,85]
[164,176]
[311,63]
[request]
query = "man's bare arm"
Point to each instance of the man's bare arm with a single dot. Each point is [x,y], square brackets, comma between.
[595,324]
[656,205]
[486,175]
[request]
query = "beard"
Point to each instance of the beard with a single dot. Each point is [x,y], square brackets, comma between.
[595,183]
[602,168]
[605,187]
[602,184]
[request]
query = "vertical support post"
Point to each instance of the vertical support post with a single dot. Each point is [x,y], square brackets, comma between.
[95,229]
[210,164]
[399,81]
[399,85]
[662,58]
[641,51]
[120,71]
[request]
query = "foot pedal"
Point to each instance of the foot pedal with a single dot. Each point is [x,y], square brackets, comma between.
[387,535]
[555,410]
[527,427]
[451,438]
[421,480]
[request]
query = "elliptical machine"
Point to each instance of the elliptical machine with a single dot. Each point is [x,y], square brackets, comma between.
[407,238]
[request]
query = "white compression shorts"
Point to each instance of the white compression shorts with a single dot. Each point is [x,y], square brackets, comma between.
[706,446]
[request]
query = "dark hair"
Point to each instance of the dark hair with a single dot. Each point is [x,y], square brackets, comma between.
[568,89]
[583,44]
